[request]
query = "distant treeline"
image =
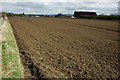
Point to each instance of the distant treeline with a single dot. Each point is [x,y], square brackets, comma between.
[92,15]
[35,15]
[81,14]
[108,17]
[12,14]
[105,17]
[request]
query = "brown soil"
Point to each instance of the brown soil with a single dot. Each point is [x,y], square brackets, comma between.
[72,48]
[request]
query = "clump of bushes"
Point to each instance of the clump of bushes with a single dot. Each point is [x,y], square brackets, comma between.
[81,14]
[87,16]
[59,15]
[108,17]
[105,17]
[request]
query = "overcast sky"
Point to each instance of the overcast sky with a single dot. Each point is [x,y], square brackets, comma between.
[61,6]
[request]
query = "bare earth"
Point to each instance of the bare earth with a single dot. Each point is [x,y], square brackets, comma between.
[67,48]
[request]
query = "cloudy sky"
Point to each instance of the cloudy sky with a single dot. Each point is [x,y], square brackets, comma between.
[59,6]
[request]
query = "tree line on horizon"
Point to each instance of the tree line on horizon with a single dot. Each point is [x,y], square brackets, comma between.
[78,14]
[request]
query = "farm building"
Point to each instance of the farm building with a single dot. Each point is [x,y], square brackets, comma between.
[82,14]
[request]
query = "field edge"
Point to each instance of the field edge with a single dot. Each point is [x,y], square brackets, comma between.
[11,64]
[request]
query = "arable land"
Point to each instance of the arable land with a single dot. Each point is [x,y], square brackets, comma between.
[67,48]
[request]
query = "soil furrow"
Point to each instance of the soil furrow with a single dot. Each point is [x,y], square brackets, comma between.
[60,48]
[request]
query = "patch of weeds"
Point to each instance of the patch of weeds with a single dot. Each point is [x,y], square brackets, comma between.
[64,77]
[81,73]
[3,45]
[16,73]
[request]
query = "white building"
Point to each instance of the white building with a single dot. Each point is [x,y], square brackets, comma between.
[72,17]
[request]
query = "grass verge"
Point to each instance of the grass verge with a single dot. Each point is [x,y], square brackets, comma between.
[11,64]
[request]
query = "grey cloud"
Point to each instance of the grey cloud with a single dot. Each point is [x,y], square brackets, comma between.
[64,7]
[31,5]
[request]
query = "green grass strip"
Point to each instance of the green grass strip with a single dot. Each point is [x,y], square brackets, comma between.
[11,64]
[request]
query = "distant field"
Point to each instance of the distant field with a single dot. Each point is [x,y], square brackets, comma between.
[65,48]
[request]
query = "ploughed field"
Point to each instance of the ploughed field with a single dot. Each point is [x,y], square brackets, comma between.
[65,48]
